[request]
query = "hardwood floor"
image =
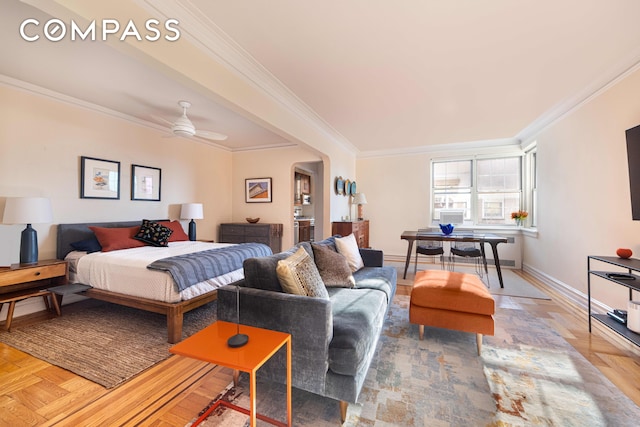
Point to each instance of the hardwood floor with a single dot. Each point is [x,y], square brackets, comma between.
[172,392]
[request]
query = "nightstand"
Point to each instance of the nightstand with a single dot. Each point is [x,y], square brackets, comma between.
[22,281]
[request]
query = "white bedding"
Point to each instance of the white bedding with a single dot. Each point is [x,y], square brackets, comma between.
[125,271]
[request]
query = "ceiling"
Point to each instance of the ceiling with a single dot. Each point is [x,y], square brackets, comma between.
[387,76]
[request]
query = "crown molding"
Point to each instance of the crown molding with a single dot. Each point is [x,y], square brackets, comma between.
[473,146]
[601,84]
[214,42]
[88,106]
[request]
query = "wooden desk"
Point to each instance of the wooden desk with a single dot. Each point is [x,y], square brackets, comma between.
[482,238]
[210,345]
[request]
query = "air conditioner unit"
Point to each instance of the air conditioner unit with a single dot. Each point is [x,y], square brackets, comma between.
[451,216]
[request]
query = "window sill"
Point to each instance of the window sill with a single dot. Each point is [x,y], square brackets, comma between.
[503,229]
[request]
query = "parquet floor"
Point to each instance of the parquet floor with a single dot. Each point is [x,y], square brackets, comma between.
[35,393]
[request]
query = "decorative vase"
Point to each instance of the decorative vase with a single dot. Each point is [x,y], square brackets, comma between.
[624,253]
[446,229]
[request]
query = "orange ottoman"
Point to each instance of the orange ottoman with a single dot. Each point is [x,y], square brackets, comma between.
[446,299]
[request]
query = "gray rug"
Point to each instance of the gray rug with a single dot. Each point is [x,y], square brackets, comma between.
[527,375]
[105,343]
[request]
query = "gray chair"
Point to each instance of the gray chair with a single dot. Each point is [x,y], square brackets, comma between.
[428,248]
[467,250]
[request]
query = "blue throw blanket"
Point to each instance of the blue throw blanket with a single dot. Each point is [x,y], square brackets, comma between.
[189,269]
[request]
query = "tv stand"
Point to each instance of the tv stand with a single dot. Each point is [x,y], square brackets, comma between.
[632,267]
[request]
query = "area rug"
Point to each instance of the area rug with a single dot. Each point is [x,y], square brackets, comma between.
[105,343]
[528,375]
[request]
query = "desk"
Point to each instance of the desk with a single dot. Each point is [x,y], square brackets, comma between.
[210,345]
[482,238]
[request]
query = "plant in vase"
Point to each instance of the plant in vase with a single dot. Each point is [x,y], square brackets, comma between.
[519,217]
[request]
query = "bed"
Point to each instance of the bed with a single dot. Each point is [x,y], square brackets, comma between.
[122,277]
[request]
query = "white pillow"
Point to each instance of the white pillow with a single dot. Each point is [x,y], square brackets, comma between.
[348,247]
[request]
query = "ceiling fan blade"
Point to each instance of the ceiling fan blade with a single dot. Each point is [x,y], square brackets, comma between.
[211,135]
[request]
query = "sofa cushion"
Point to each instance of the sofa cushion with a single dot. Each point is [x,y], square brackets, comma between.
[381,278]
[358,315]
[348,247]
[260,273]
[299,275]
[333,267]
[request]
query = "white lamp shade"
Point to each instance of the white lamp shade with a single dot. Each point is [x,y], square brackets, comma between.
[27,210]
[359,199]
[191,211]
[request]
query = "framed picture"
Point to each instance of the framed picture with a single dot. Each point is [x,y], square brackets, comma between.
[258,190]
[306,184]
[99,179]
[145,183]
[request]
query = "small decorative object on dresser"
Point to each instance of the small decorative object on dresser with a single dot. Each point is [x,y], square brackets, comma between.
[253,220]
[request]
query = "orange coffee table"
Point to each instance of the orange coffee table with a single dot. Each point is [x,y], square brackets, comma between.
[210,345]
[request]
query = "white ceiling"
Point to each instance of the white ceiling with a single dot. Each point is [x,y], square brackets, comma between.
[389,76]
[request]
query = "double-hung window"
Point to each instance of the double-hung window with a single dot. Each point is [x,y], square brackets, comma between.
[484,191]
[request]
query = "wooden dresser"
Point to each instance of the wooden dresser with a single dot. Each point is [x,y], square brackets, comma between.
[269,234]
[360,230]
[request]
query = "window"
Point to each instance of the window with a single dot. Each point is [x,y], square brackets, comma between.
[452,183]
[488,190]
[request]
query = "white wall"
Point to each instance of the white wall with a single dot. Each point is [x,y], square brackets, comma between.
[41,141]
[584,197]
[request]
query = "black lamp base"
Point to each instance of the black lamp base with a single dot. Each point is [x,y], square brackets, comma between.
[192,230]
[238,340]
[29,246]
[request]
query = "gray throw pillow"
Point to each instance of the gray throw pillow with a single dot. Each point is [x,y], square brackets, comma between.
[333,267]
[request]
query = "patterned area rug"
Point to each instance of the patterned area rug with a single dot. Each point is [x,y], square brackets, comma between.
[527,375]
[105,343]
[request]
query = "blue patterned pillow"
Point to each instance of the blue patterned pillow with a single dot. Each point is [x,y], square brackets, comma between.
[153,233]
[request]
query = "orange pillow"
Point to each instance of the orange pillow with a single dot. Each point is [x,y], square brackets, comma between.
[178,234]
[112,239]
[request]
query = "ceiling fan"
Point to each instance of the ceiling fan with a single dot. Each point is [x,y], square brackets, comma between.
[185,128]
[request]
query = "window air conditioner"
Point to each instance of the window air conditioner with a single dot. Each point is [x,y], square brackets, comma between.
[454,217]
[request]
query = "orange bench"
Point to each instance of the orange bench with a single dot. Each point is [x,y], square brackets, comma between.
[450,300]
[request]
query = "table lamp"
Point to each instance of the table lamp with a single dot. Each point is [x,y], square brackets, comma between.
[191,211]
[28,210]
[237,340]
[359,199]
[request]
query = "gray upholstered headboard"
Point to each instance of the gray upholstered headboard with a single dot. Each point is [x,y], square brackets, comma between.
[69,233]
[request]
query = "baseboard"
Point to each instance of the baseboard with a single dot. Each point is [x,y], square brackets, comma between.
[577,303]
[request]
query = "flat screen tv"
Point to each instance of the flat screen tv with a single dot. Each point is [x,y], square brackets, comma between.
[633,155]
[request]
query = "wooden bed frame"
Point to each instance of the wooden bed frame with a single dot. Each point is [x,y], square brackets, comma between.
[69,233]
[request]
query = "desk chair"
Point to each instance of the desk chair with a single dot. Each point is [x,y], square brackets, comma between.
[467,250]
[433,249]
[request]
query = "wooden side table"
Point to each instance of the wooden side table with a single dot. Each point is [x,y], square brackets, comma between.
[22,281]
[210,345]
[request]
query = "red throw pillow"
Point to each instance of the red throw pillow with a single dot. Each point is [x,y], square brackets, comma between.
[178,234]
[112,239]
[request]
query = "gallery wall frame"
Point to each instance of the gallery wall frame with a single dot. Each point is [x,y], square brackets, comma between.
[99,178]
[258,190]
[146,183]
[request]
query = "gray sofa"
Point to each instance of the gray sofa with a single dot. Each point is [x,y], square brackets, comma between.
[334,340]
